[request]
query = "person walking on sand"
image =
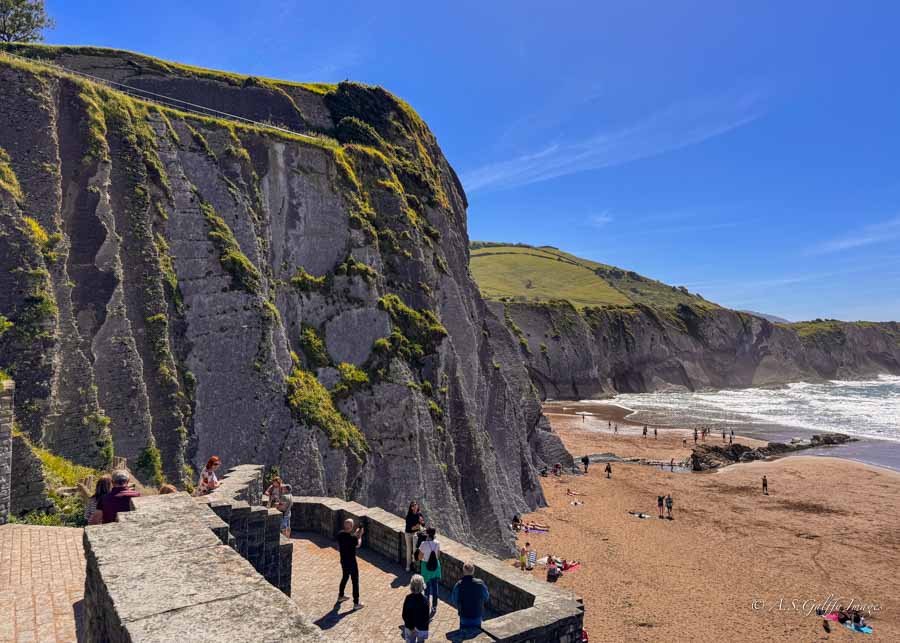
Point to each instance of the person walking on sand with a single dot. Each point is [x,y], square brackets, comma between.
[654,433]
[672,464]
[349,540]
[608,469]
[616,430]
[723,435]
[695,436]
[731,439]
[669,507]
[645,431]
[659,505]
[585,461]
[765,486]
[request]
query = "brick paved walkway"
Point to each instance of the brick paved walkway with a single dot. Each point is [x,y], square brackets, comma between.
[383,585]
[41,583]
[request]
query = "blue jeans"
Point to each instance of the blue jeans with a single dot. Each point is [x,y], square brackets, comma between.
[431,589]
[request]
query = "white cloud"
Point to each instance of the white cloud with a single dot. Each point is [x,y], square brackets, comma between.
[677,126]
[600,220]
[867,235]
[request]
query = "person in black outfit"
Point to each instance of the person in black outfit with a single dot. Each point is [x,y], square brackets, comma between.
[765,486]
[585,461]
[349,540]
[414,523]
[415,611]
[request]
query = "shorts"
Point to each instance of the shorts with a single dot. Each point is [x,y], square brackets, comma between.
[286,520]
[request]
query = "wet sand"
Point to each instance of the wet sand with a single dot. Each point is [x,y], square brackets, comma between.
[734,563]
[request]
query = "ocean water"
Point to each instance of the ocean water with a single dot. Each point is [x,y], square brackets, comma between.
[865,409]
[868,409]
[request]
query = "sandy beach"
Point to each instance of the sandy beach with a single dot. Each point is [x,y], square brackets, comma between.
[733,564]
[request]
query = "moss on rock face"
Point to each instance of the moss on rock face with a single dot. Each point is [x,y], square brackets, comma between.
[311,404]
[305,282]
[8,181]
[244,274]
[352,379]
[421,328]
[313,347]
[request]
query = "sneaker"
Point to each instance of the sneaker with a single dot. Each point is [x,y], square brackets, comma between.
[341,599]
[358,606]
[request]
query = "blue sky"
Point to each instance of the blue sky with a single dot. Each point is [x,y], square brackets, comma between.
[746,150]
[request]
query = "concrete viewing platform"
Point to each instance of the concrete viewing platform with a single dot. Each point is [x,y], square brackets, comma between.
[200,569]
[41,583]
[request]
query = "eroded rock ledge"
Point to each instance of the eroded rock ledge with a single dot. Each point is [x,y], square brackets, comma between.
[709,456]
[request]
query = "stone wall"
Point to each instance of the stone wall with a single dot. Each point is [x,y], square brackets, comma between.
[7,388]
[530,610]
[183,568]
[28,489]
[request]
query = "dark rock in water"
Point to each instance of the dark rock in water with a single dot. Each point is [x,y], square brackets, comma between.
[709,456]
[829,439]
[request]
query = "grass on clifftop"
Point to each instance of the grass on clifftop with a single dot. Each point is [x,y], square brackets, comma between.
[525,273]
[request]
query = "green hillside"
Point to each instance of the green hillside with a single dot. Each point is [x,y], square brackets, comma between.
[527,273]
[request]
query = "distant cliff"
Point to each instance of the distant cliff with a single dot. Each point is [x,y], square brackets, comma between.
[175,286]
[600,351]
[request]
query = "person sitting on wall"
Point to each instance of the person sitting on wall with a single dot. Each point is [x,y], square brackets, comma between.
[470,595]
[208,480]
[118,499]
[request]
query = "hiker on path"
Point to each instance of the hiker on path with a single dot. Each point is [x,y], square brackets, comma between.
[585,461]
[349,540]
[415,521]
[669,506]
[765,486]
[608,469]
[470,595]
[415,611]
[430,555]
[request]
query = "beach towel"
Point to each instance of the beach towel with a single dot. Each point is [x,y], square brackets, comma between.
[865,629]
[572,567]
[534,530]
[638,514]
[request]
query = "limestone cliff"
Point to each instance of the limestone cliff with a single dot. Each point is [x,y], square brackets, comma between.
[599,351]
[180,286]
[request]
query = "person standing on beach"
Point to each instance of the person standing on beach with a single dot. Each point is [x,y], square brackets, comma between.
[659,505]
[765,486]
[608,469]
[585,461]
[645,431]
[616,429]
[695,436]
[349,540]
[654,433]
[669,506]
[731,439]
[723,435]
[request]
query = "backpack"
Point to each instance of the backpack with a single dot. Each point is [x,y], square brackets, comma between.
[432,563]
